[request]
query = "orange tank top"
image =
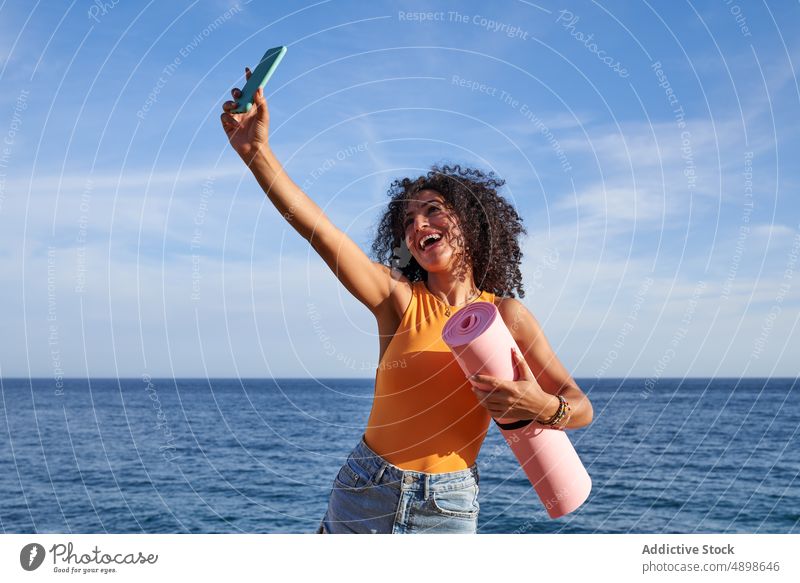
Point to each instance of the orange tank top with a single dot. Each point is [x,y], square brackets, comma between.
[424,416]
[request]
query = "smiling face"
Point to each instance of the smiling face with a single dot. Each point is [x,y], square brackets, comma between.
[431,232]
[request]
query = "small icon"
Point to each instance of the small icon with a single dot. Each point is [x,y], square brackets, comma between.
[402,255]
[31,556]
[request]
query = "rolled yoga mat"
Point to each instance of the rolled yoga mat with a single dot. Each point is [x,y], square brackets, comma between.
[481,344]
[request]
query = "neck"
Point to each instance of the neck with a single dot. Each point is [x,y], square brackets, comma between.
[451,290]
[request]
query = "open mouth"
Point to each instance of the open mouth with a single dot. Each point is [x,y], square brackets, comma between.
[430,241]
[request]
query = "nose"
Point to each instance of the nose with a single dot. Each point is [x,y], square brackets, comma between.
[418,222]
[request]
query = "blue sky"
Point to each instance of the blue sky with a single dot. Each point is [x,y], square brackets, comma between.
[650,148]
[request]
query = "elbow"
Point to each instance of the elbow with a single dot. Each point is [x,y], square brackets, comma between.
[584,416]
[582,411]
[588,412]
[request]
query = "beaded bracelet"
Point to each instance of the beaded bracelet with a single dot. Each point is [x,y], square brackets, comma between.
[563,409]
[565,420]
[557,415]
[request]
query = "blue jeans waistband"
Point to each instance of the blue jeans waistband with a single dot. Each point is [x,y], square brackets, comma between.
[381,471]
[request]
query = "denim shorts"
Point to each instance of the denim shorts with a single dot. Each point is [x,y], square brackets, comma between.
[372,496]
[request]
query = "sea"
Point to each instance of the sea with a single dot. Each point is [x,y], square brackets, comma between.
[162,455]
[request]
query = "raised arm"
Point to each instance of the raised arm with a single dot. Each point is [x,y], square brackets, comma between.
[369,282]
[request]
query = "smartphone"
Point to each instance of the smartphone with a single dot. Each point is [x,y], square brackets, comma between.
[261,74]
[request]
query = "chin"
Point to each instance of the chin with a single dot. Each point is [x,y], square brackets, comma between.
[444,262]
[439,265]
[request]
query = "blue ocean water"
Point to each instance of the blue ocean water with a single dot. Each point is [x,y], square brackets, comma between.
[259,456]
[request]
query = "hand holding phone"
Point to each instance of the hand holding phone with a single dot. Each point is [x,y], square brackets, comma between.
[266,67]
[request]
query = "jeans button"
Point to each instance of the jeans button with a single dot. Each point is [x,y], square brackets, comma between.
[408,480]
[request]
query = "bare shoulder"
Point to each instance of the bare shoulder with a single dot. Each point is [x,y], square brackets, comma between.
[520,321]
[508,306]
[400,288]
[395,275]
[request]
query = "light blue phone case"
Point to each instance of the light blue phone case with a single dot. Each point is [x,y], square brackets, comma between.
[266,67]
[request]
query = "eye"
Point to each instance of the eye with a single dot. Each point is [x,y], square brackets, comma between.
[430,209]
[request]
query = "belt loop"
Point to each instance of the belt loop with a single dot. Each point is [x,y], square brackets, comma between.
[379,475]
[427,478]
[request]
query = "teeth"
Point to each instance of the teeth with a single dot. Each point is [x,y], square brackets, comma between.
[427,238]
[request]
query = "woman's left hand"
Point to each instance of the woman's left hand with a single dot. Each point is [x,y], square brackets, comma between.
[520,399]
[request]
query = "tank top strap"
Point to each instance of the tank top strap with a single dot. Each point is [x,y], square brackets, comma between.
[419,288]
[415,291]
[413,303]
[422,287]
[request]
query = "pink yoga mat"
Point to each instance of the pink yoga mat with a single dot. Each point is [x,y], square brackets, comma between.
[481,344]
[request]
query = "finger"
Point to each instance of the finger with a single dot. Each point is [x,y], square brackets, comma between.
[229,105]
[493,410]
[229,121]
[481,395]
[261,105]
[522,364]
[236,93]
[488,398]
[497,410]
[492,385]
[247,73]
[480,385]
[227,127]
[483,380]
[493,401]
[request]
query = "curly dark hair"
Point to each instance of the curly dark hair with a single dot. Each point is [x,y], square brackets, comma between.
[489,224]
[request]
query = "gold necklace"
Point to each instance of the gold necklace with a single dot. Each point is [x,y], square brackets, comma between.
[447,307]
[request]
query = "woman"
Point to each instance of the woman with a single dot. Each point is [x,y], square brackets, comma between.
[452,241]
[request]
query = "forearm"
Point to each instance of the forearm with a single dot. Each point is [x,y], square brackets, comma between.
[299,210]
